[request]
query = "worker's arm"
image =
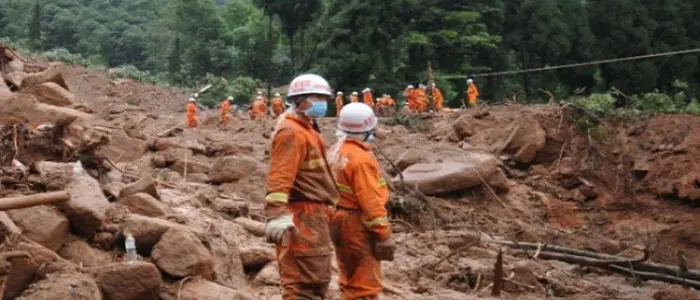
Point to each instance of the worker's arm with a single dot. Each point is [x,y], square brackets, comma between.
[365,184]
[285,158]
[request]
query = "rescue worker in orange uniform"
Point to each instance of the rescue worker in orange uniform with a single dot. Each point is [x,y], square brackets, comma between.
[224,109]
[354,97]
[472,92]
[389,105]
[411,101]
[192,113]
[367,97]
[300,188]
[360,228]
[277,105]
[258,109]
[421,99]
[338,102]
[438,98]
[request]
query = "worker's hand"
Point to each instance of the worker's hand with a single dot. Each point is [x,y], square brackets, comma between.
[384,250]
[275,228]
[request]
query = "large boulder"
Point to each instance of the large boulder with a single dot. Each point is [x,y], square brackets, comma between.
[181,254]
[87,207]
[48,75]
[232,169]
[51,93]
[42,224]
[451,176]
[527,140]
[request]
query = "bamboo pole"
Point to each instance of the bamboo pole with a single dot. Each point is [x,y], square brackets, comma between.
[33,200]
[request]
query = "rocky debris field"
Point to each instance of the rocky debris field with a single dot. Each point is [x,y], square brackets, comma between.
[512,202]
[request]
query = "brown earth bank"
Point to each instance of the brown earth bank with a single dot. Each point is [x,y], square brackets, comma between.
[510,179]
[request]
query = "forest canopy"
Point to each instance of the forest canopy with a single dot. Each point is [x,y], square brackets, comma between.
[384,45]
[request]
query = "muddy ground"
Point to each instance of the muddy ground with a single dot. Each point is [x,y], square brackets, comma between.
[192,197]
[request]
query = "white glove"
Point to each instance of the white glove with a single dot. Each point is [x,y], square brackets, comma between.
[275,228]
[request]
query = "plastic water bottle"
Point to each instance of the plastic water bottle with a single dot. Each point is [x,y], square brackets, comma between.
[130,246]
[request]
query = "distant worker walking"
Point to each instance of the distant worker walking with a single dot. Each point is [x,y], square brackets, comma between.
[472,92]
[338,102]
[224,110]
[258,109]
[277,105]
[367,97]
[354,97]
[192,113]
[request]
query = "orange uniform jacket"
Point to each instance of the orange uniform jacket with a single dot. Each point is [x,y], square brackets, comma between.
[191,114]
[360,221]
[438,99]
[338,104]
[472,93]
[259,108]
[299,182]
[368,99]
[411,99]
[277,106]
[224,110]
[421,100]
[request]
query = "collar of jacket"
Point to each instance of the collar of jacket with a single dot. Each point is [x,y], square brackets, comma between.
[365,146]
[300,121]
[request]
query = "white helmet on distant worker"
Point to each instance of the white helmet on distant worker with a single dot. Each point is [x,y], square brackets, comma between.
[357,118]
[259,97]
[277,94]
[307,84]
[354,93]
[470,80]
[339,93]
[366,90]
[230,98]
[259,92]
[410,86]
[192,99]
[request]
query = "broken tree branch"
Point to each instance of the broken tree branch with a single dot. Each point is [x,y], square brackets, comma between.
[643,266]
[465,247]
[33,200]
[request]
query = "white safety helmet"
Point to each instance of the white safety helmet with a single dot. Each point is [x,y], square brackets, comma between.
[357,118]
[259,98]
[470,80]
[355,93]
[410,86]
[259,92]
[433,84]
[277,94]
[192,99]
[366,90]
[230,98]
[309,84]
[340,93]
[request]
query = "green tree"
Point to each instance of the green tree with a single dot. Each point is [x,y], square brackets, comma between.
[624,28]
[175,61]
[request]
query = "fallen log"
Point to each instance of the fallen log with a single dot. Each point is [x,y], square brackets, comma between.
[622,261]
[629,272]
[33,200]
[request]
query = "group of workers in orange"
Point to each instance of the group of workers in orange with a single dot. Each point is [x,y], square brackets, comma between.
[259,109]
[417,101]
[383,105]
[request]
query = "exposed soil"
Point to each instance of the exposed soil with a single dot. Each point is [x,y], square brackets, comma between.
[614,188]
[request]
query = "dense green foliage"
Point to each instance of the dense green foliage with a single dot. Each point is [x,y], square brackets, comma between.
[379,44]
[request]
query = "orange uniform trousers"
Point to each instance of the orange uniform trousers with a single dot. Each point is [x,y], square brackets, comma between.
[305,254]
[360,271]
